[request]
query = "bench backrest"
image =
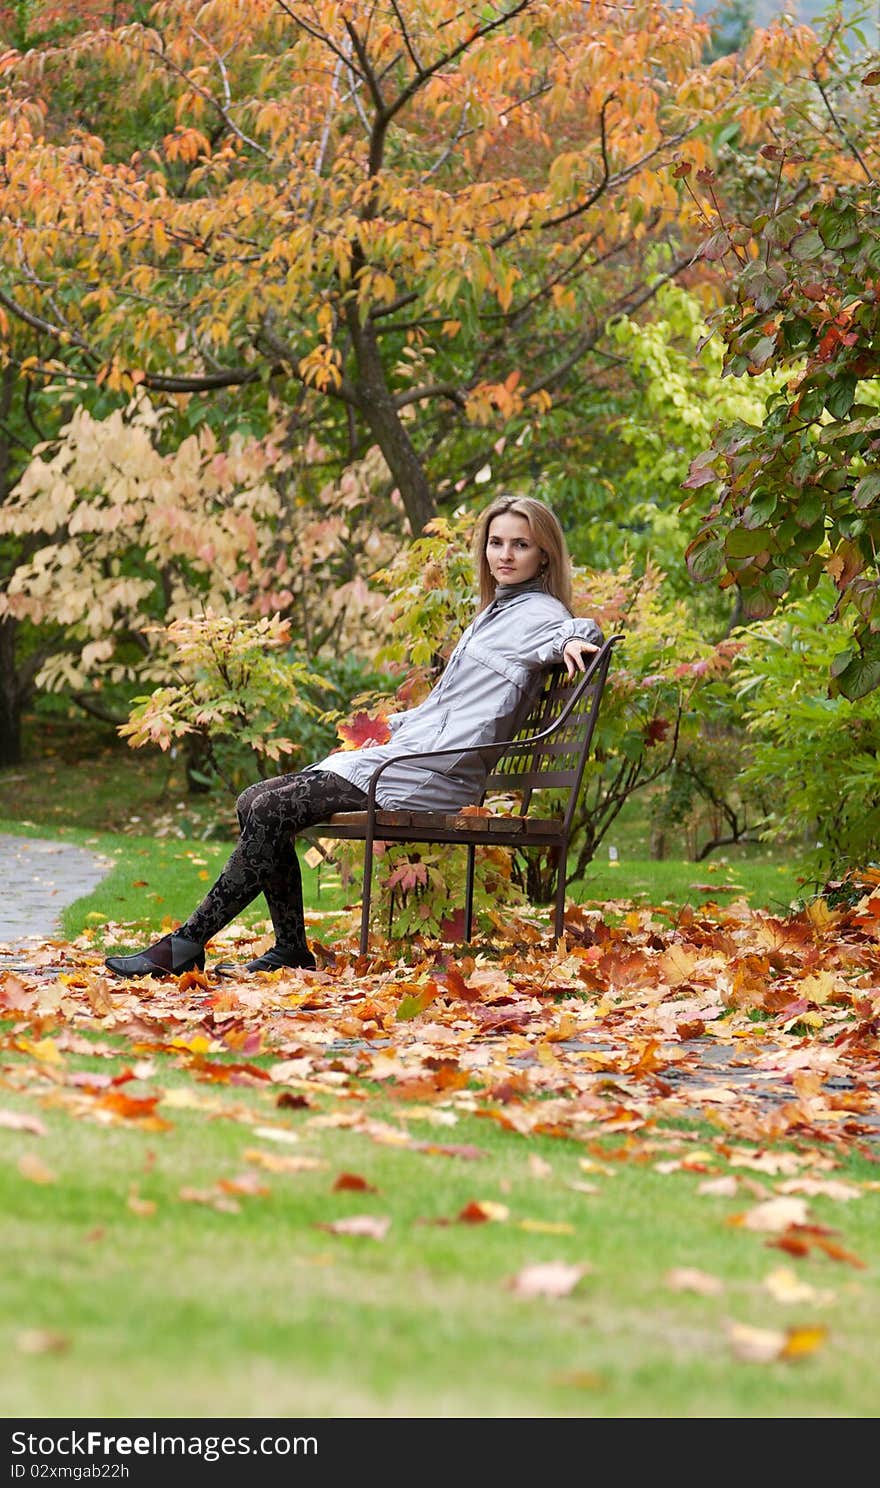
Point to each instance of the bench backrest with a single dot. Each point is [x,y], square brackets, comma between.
[557,762]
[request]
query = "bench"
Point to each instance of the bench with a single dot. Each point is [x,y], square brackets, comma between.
[548,752]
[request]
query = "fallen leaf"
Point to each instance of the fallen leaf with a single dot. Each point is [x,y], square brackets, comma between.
[830,1188]
[724,1187]
[372,1226]
[129,1106]
[280,1162]
[275,1134]
[19,1121]
[547,1279]
[482,1210]
[290,1102]
[773,1216]
[784,1286]
[448,1149]
[689,1279]
[143,1208]
[355,1182]
[244,1183]
[755,1345]
[34,1169]
[800,1342]
[41,1341]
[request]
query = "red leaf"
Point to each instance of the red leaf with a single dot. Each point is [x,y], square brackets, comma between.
[355,1182]
[472,1213]
[656,731]
[363,729]
[452,928]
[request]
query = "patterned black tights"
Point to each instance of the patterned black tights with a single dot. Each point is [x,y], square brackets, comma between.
[265,861]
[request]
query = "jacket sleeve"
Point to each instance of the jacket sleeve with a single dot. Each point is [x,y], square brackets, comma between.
[545,644]
[394,720]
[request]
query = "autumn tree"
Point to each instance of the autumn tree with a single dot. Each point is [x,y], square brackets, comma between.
[119,539]
[795,493]
[412,221]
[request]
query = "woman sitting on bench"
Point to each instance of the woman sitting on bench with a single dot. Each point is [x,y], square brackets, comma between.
[523,625]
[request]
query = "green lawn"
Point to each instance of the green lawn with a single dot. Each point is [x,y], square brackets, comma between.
[181,1309]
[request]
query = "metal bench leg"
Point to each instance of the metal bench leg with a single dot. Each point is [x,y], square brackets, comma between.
[559,921]
[365,910]
[469,893]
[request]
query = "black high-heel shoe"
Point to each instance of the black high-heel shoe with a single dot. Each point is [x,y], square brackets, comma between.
[170,956]
[275,959]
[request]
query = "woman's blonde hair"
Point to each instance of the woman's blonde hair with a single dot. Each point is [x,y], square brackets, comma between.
[547,533]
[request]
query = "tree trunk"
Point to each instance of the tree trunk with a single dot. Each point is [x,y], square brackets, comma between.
[10,701]
[377,406]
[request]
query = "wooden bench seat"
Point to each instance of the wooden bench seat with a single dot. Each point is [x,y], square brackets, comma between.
[402,826]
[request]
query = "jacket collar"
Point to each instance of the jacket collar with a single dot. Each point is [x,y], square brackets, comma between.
[504,593]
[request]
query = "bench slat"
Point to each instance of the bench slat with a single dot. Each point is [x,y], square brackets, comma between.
[354,824]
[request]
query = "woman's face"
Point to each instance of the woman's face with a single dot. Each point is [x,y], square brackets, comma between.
[511,551]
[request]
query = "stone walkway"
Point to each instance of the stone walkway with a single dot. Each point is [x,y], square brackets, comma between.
[38,879]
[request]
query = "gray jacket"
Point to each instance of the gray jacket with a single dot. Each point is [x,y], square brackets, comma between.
[483,696]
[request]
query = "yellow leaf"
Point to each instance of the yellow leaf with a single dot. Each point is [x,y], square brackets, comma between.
[34,1169]
[784,1286]
[820,916]
[198,1044]
[545,1227]
[42,1049]
[800,1342]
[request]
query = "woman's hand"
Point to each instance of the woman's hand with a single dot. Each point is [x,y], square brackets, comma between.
[573,655]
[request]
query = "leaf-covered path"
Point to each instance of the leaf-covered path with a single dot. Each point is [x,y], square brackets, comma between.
[767,1027]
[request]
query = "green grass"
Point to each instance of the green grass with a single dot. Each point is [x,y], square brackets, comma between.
[763,881]
[193,1312]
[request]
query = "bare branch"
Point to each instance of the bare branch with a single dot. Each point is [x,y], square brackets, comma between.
[368,74]
[424,74]
[448,390]
[847,140]
[37,323]
[205,382]
[587,343]
[315,32]
[406,38]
